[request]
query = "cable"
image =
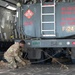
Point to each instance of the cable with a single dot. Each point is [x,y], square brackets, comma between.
[40,61]
[44,59]
[62,65]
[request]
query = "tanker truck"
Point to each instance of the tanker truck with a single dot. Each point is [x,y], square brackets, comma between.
[48,26]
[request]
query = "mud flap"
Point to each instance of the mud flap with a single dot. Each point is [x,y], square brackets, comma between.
[34,53]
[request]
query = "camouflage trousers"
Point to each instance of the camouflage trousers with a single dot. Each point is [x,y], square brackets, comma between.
[11,62]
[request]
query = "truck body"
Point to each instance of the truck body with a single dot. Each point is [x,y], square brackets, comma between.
[30,20]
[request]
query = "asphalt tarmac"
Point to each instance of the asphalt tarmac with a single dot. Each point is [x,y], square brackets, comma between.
[40,70]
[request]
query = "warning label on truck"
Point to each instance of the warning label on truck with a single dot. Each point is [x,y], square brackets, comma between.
[29,14]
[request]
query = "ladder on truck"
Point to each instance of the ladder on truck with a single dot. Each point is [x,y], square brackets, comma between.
[51,31]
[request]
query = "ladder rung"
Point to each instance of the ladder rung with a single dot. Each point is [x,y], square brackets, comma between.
[48,14]
[48,30]
[48,22]
[49,35]
[48,5]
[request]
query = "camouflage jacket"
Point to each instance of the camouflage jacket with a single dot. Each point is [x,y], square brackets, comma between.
[14,51]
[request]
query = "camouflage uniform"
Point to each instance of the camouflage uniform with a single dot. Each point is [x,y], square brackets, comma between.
[13,55]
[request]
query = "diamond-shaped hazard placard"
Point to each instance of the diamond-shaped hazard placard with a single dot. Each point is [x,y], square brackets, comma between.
[29,14]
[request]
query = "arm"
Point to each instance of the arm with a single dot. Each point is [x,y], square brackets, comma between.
[18,57]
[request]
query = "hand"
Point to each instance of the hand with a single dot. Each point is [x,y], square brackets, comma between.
[54,60]
[27,62]
[23,63]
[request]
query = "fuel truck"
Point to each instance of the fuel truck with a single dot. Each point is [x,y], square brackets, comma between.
[49,26]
